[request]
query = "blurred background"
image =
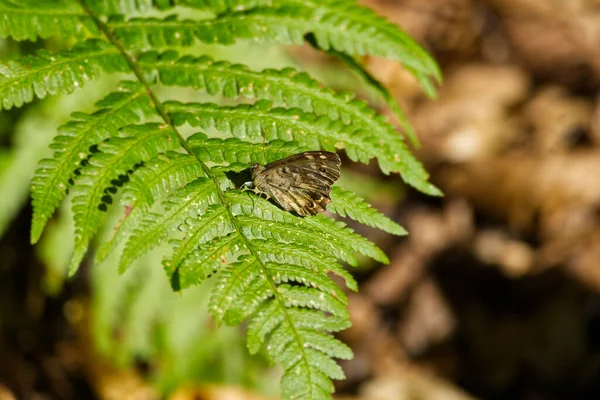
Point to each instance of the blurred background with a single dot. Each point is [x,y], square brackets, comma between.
[493,295]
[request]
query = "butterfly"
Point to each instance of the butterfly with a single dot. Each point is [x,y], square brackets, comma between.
[300,183]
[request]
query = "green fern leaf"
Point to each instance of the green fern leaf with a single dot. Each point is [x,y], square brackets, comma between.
[292,89]
[284,273]
[204,260]
[340,25]
[198,231]
[272,251]
[243,305]
[315,320]
[98,179]
[264,250]
[52,73]
[153,181]
[296,348]
[233,150]
[348,204]
[246,304]
[72,144]
[191,200]
[378,37]
[253,122]
[268,318]
[286,87]
[312,132]
[272,268]
[305,379]
[260,219]
[257,228]
[382,90]
[232,281]
[30,19]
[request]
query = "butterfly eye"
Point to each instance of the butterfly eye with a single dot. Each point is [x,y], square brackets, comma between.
[310,205]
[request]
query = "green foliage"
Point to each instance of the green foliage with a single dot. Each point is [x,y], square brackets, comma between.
[338,25]
[309,130]
[161,175]
[30,19]
[348,204]
[137,317]
[71,145]
[53,73]
[270,267]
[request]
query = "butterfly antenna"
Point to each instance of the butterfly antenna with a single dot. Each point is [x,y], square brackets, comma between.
[252,200]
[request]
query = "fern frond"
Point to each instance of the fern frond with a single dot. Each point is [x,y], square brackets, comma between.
[284,273]
[268,318]
[271,267]
[307,370]
[160,176]
[259,219]
[190,201]
[290,88]
[153,181]
[128,106]
[233,150]
[30,19]
[251,284]
[340,25]
[348,204]
[101,176]
[378,37]
[256,249]
[382,90]
[286,87]
[274,251]
[253,121]
[52,73]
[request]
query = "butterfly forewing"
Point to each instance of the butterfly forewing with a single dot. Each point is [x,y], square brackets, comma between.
[300,183]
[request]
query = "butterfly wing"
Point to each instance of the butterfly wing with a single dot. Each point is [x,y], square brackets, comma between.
[300,183]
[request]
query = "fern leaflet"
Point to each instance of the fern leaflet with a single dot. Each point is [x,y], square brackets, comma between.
[30,19]
[71,146]
[101,176]
[355,31]
[53,73]
[346,203]
[163,174]
[189,201]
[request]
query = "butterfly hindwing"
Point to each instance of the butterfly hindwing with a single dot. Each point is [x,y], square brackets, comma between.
[300,183]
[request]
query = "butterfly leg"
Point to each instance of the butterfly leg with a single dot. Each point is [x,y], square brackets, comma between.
[247,186]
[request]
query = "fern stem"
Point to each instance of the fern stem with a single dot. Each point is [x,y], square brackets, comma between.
[137,71]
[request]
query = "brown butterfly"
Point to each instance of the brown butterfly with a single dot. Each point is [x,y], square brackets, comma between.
[300,183]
